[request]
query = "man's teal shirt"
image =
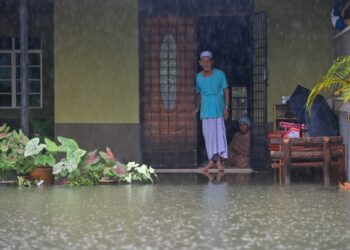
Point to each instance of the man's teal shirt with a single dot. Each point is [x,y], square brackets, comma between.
[211,89]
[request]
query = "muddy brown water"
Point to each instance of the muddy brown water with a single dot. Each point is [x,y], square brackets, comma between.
[179,212]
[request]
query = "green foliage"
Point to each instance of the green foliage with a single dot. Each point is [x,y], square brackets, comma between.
[12,145]
[33,147]
[77,178]
[73,156]
[138,173]
[24,182]
[76,168]
[336,82]
[36,154]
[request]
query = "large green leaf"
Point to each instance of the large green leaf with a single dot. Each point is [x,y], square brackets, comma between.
[33,147]
[143,170]
[51,146]
[67,144]
[64,165]
[76,155]
[45,160]
[58,168]
[127,178]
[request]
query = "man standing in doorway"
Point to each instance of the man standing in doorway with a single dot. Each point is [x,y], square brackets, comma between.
[213,103]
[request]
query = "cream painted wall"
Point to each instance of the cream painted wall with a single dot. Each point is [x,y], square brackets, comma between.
[96,61]
[300,44]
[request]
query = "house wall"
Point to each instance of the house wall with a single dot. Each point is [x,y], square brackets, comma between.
[300,44]
[97,74]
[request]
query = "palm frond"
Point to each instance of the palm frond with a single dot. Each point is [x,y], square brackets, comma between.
[346,94]
[336,82]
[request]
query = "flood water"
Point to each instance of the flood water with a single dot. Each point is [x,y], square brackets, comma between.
[180,212]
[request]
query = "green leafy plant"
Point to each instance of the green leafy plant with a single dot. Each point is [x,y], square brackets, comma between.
[39,155]
[76,168]
[12,145]
[138,173]
[24,182]
[73,157]
[335,83]
[112,168]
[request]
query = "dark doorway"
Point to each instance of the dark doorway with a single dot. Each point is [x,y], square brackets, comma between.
[229,38]
[172,33]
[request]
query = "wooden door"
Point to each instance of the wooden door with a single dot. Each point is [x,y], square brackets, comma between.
[168,92]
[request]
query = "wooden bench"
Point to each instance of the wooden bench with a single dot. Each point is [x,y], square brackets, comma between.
[322,152]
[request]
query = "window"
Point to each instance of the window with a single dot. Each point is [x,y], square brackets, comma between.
[168,72]
[10,73]
[239,102]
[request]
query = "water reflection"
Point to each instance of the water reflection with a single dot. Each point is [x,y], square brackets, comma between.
[215,211]
[215,178]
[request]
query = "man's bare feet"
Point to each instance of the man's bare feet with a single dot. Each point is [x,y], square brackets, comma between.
[220,165]
[209,165]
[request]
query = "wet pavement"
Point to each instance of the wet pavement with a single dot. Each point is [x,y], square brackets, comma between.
[182,211]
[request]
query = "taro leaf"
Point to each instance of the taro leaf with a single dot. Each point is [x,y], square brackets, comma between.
[22,137]
[128,178]
[45,160]
[71,166]
[33,147]
[151,170]
[64,165]
[3,127]
[108,155]
[51,146]
[15,135]
[20,181]
[142,170]
[131,166]
[67,144]
[4,147]
[57,168]
[3,135]
[91,158]
[76,155]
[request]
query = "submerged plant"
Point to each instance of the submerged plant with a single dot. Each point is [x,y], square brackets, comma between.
[139,173]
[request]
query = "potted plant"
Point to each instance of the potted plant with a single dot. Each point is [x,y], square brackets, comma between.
[39,159]
[8,156]
[113,170]
[12,145]
[69,170]
[336,82]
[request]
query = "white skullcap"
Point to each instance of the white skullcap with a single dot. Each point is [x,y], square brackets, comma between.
[206,54]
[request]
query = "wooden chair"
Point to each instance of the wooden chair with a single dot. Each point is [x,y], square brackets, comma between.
[276,163]
[323,152]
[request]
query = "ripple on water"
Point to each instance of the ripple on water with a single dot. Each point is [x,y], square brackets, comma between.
[176,217]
